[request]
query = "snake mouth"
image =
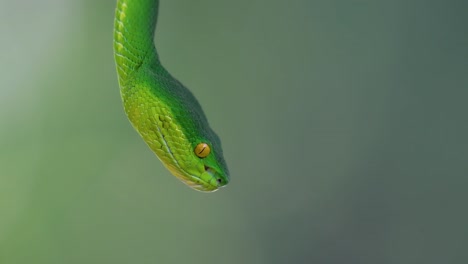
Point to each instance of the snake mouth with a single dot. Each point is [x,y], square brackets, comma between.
[207,181]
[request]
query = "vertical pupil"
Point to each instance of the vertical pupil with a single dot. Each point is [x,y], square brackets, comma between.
[202,150]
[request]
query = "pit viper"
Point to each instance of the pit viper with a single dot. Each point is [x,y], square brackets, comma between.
[161,109]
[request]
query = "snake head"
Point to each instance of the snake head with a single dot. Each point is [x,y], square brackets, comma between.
[189,151]
[203,170]
[172,123]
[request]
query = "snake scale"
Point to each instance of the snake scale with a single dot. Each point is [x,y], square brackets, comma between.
[161,109]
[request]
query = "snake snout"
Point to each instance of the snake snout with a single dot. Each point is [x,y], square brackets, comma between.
[217,179]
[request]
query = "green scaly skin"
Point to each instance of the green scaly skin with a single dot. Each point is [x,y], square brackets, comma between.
[160,108]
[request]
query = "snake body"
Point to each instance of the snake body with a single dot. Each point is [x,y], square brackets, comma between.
[161,109]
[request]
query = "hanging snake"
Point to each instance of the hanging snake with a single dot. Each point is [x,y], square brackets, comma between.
[161,109]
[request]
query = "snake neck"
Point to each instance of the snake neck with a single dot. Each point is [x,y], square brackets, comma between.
[134,27]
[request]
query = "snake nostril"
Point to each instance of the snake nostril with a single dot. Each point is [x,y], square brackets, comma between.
[220,181]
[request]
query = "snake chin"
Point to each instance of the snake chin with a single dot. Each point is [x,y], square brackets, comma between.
[205,182]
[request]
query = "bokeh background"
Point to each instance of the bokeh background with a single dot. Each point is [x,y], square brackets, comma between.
[344,125]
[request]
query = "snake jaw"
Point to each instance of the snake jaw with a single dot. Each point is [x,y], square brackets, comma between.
[215,180]
[207,181]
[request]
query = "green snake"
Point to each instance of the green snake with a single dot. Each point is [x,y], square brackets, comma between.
[161,109]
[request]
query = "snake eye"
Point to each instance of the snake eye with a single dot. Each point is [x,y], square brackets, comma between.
[202,150]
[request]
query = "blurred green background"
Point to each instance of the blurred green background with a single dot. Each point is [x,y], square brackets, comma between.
[344,125]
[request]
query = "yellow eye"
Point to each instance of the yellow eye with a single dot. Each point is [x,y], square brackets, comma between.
[202,150]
